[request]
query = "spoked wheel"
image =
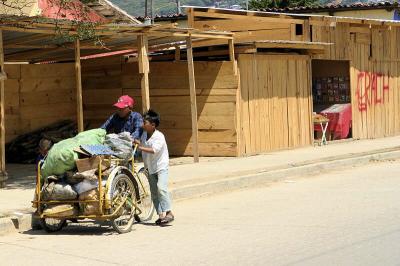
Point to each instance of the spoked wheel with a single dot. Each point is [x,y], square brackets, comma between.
[145,204]
[52,225]
[123,192]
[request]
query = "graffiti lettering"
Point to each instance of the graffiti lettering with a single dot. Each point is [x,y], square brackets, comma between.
[372,89]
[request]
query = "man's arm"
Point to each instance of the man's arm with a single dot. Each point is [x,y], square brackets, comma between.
[137,126]
[108,124]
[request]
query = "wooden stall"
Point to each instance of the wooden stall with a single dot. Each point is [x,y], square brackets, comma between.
[34,95]
[274,62]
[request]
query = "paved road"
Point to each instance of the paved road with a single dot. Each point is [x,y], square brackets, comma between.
[344,218]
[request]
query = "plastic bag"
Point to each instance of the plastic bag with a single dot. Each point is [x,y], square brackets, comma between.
[60,191]
[85,186]
[61,157]
[121,144]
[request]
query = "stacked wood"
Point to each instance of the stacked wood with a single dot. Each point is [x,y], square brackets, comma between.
[24,149]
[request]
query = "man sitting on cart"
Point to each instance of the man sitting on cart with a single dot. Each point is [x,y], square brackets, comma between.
[124,119]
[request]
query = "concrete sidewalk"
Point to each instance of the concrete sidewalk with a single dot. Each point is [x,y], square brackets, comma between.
[221,174]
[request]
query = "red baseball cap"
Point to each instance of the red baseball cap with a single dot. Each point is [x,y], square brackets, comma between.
[124,101]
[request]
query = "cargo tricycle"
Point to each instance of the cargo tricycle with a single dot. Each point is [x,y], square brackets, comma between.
[123,198]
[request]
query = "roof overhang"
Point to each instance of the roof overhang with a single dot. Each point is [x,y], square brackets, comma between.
[35,40]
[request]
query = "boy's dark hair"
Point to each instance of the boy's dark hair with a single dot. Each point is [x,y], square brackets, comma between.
[152,117]
[45,144]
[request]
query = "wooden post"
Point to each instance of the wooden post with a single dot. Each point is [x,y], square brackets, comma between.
[78,79]
[193,104]
[144,70]
[3,173]
[306,31]
[177,53]
[232,55]
[190,17]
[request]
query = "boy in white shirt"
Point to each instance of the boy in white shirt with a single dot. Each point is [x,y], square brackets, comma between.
[156,160]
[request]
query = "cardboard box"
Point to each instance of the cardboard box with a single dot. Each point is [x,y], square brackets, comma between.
[89,163]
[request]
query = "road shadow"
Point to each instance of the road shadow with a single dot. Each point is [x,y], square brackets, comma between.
[82,229]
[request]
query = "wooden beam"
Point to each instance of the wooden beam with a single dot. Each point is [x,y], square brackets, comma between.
[3,173]
[292,45]
[144,70]
[78,78]
[193,104]
[243,17]
[32,54]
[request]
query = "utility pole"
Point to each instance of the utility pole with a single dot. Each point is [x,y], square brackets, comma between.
[151,10]
[178,7]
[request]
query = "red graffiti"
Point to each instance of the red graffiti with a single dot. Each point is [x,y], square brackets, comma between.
[371,89]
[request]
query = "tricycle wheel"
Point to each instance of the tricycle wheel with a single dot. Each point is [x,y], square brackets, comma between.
[144,201]
[52,225]
[123,192]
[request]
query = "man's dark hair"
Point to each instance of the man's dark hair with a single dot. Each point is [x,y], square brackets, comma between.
[152,117]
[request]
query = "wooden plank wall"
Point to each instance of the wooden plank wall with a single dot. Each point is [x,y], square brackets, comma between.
[374,56]
[38,95]
[250,28]
[104,80]
[276,102]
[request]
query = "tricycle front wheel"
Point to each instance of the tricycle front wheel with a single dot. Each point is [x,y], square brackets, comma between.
[123,192]
[144,200]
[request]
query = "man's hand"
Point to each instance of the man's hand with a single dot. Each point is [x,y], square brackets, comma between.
[136,142]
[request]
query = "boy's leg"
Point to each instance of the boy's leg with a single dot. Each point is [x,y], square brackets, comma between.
[163,193]
[154,192]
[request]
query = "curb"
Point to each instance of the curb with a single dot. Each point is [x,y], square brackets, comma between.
[268,176]
[20,222]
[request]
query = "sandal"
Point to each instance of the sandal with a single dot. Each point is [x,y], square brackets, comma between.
[158,221]
[167,219]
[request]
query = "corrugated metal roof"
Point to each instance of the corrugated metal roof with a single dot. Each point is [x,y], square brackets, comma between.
[165,17]
[317,8]
[335,7]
